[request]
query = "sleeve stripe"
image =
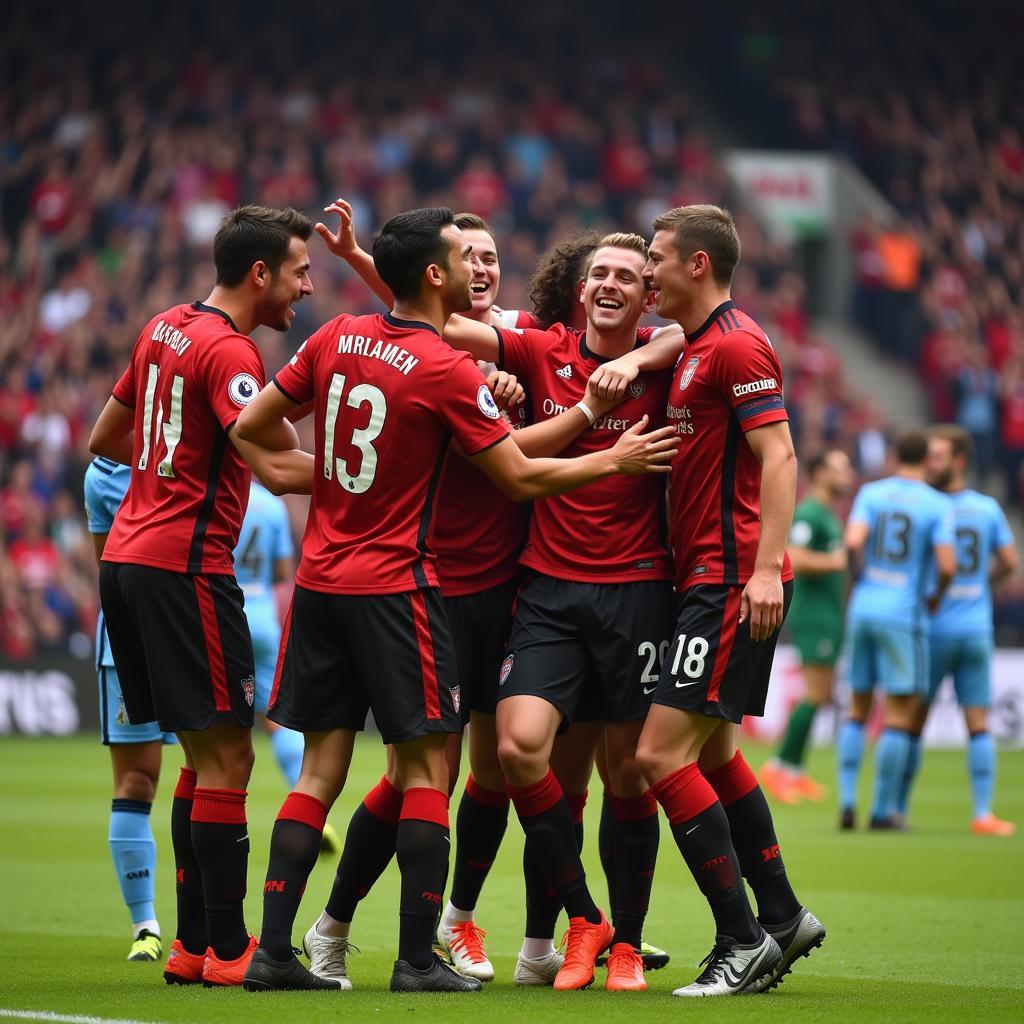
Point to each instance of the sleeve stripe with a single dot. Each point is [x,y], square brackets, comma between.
[501,350]
[285,393]
[757,406]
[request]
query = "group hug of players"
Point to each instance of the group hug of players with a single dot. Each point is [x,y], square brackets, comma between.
[926,551]
[613,625]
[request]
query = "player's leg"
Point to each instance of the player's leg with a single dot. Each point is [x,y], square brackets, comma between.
[863,674]
[136,768]
[903,670]
[606,828]
[973,683]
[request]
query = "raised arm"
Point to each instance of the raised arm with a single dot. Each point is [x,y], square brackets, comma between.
[479,340]
[611,379]
[522,478]
[344,245]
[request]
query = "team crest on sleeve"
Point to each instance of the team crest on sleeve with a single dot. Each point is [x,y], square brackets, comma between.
[506,669]
[638,387]
[485,403]
[249,689]
[688,371]
[243,388]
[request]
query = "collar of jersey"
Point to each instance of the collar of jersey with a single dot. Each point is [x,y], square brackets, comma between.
[715,314]
[410,324]
[593,356]
[201,307]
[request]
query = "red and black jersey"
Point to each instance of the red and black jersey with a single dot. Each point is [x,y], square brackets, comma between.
[388,395]
[612,530]
[727,381]
[190,375]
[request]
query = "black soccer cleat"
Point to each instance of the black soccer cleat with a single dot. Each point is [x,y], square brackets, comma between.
[438,977]
[847,820]
[889,823]
[265,974]
[795,938]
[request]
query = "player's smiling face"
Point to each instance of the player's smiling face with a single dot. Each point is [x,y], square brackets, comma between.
[288,286]
[486,271]
[458,292]
[614,294]
[666,274]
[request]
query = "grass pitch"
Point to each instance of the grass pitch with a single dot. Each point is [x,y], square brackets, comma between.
[923,926]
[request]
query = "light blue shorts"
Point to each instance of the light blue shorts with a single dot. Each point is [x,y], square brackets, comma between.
[968,659]
[114,725]
[892,657]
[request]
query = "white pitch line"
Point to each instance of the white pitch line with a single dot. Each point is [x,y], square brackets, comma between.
[63,1018]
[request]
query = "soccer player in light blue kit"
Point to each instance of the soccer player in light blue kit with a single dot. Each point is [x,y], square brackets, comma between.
[264,556]
[900,535]
[135,750]
[961,636]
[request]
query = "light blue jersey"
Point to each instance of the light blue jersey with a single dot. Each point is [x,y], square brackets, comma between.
[265,537]
[906,519]
[105,485]
[981,529]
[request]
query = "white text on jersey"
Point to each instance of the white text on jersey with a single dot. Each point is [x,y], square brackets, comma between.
[357,345]
[171,337]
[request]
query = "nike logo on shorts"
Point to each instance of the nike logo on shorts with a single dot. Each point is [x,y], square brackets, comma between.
[650,691]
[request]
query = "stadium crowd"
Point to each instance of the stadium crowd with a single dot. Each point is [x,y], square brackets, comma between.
[115,172]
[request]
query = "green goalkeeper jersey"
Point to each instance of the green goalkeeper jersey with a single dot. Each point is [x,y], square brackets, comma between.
[818,598]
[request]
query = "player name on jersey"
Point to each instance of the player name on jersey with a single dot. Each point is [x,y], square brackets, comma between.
[170,336]
[385,351]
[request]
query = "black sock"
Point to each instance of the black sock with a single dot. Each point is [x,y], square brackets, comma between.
[369,846]
[753,837]
[606,849]
[701,831]
[636,851]
[188,878]
[547,821]
[479,828]
[220,838]
[294,848]
[543,904]
[423,846]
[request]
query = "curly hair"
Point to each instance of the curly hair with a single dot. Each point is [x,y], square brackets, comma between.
[559,270]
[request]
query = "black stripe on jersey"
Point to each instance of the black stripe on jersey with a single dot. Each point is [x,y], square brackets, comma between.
[713,316]
[756,406]
[730,565]
[195,551]
[427,514]
[105,466]
[500,361]
[731,319]
[285,393]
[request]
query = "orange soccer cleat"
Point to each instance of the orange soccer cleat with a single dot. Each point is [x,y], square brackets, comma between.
[625,970]
[779,783]
[183,967]
[803,785]
[990,825]
[217,972]
[584,943]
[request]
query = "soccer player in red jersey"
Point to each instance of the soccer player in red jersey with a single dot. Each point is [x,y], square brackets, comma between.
[367,628]
[173,610]
[731,503]
[598,601]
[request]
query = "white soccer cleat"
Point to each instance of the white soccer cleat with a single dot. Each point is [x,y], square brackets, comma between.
[732,967]
[538,971]
[328,956]
[464,942]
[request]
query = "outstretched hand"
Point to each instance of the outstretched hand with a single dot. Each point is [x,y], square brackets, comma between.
[343,243]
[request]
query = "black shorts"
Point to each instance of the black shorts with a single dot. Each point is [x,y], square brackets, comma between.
[590,649]
[182,647]
[480,625]
[712,665]
[345,654]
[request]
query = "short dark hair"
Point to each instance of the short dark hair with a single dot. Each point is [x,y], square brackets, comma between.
[472,222]
[911,447]
[254,234]
[819,460]
[409,243]
[559,270]
[959,439]
[707,228]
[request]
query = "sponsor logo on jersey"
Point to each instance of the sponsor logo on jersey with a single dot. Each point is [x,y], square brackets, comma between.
[243,388]
[638,387]
[565,372]
[249,689]
[688,371]
[506,669]
[765,384]
[456,692]
[485,403]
